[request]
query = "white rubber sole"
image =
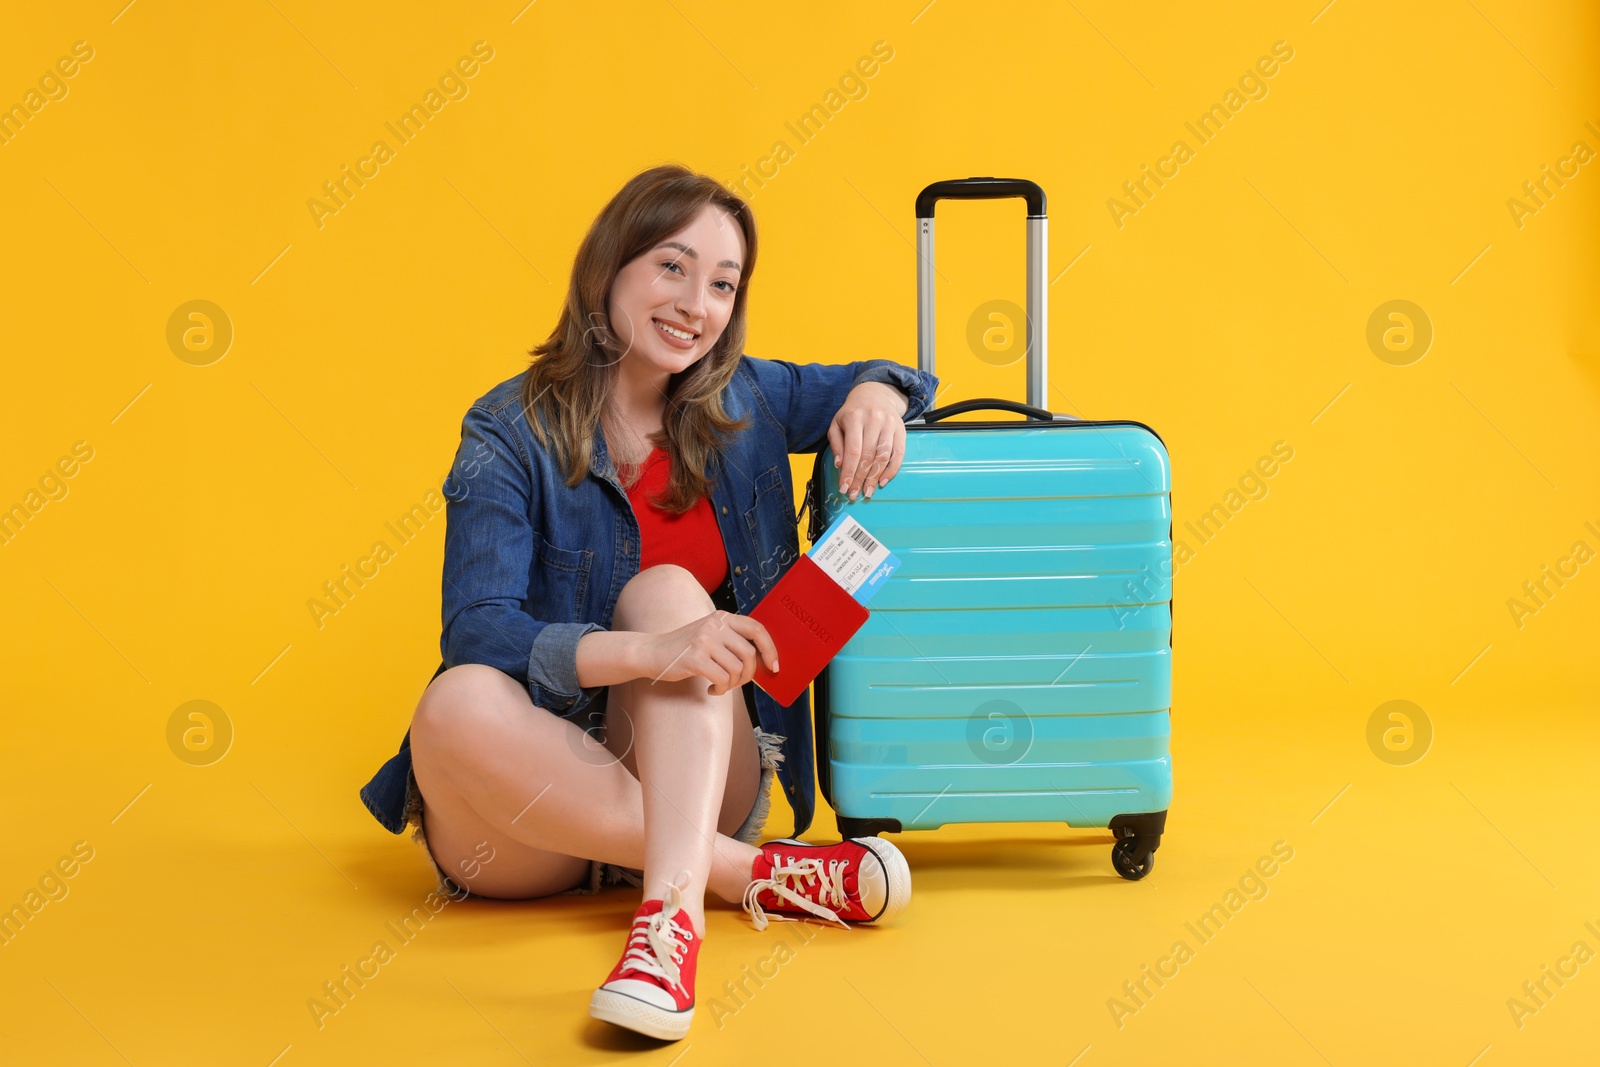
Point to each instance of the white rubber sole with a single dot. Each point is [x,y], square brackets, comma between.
[897,875]
[636,1015]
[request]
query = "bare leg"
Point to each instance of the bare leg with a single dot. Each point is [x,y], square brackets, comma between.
[681,736]
[495,768]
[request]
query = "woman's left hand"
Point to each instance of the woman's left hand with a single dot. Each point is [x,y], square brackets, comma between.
[868,437]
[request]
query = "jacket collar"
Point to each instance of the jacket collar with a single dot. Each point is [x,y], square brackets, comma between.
[599,458]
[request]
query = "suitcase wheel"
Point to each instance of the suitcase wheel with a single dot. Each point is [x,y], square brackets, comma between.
[1132,860]
[1138,837]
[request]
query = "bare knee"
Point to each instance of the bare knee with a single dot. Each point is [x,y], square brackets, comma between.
[461,708]
[659,598]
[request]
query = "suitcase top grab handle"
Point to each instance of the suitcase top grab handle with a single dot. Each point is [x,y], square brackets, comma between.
[984,403]
[1037,311]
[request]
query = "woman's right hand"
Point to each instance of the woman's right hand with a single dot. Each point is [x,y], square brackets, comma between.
[721,647]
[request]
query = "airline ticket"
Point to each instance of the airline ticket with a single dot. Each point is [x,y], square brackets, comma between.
[853,558]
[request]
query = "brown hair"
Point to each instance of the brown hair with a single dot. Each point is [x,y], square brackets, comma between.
[567,388]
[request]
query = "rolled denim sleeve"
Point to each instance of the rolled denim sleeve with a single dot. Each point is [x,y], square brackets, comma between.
[804,397]
[488,554]
[553,666]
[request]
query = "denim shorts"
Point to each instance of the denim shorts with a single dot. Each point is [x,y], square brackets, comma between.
[608,874]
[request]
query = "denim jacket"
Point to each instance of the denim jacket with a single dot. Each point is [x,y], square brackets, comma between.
[531,565]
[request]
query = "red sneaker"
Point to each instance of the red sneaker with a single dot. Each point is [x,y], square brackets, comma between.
[651,989]
[864,879]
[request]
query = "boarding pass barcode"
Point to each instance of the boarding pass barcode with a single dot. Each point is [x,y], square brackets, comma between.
[848,553]
[862,538]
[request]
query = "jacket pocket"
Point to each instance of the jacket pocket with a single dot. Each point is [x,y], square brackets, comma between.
[560,581]
[767,481]
[771,522]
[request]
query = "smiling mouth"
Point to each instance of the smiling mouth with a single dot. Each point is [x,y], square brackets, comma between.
[673,331]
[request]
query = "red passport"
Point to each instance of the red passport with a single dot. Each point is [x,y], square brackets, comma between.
[810,617]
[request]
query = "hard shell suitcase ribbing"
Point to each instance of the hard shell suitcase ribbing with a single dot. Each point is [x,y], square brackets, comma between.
[1017,667]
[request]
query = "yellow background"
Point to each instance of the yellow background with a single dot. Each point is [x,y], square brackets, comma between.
[1228,313]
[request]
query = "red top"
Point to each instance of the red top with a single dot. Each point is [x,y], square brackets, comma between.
[691,540]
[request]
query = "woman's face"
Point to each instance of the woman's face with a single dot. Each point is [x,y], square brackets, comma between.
[686,283]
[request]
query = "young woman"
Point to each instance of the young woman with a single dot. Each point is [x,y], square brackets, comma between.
[612,513]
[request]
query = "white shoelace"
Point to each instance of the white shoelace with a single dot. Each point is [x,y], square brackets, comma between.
[790,872]
[657,944]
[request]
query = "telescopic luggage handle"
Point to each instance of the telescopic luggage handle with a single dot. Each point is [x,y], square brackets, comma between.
[1037,310]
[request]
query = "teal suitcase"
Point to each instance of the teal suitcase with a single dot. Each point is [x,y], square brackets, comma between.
[1017,667]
